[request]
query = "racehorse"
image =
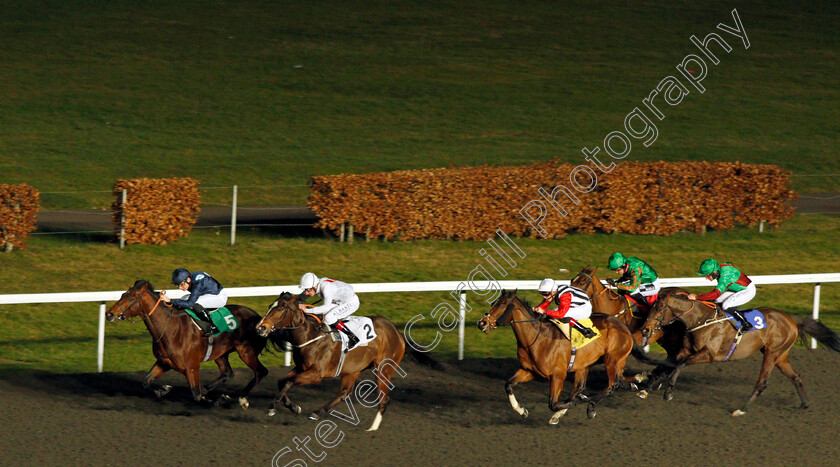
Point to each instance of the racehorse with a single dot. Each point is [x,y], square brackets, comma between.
[544,351]
[178,344]
[710,338]
[607,301]
[316,356]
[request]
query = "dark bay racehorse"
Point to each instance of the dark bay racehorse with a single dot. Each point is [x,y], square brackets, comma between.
[178,344]
[317,356]
[710,337]
[544,351]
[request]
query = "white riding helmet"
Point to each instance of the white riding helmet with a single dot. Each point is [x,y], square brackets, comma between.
[547,285]
[308,281]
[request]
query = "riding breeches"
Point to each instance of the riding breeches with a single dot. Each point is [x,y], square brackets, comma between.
[211,302]
[342,310]
[647,290]
[580,312]
[729,299]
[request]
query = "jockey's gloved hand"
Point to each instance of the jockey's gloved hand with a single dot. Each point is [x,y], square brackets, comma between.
[611,282]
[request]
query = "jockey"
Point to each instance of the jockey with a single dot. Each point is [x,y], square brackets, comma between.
[638,279]
[205,292]
[733,289]
[573,304]
[340,301]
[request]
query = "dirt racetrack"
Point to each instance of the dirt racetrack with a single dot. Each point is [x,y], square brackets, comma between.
[457,417]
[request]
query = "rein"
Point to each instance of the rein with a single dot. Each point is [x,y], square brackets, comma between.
[507,313]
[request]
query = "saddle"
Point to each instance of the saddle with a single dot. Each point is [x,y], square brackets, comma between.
[640,309]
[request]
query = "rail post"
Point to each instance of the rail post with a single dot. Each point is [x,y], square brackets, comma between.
[233,215]
[816,313]
[100,348]
[462,313]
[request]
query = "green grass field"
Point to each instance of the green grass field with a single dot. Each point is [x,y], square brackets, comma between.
[271,93]
[62,337]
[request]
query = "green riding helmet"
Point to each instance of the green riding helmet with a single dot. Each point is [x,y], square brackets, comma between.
[616,261]
[707,267]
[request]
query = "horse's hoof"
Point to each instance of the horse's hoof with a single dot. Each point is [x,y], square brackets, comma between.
[668,395]
[643,394]
[162,391]
[634,387]
[223,400]
[641,377]
[803,406]
[271,412]
[243,402]
[555,419]
[590,411]
[524,413]
[313,416]
[738,413]
[296,409]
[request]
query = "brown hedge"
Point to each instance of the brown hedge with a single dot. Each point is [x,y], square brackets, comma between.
[472,202]
[157,211]
[18,214]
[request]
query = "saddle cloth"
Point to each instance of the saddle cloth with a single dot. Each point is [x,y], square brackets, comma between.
[755,317]
[222,318]
[361,326]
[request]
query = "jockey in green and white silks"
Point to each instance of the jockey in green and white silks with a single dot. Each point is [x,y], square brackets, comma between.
[733,288]
[638,279]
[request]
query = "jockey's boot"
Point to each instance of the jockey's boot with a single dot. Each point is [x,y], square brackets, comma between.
[205,323]
[352,340]
[587,332]
[739,315]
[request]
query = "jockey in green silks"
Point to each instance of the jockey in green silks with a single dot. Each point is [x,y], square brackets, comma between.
[638,279]
[733,289]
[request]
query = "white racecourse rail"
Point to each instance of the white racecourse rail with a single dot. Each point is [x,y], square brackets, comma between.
[445,286]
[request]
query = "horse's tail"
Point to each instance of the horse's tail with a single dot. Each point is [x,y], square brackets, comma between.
[423,358]
[640,355]
[818,331]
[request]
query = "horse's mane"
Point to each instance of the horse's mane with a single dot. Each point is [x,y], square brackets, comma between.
[140,283]
[512,294]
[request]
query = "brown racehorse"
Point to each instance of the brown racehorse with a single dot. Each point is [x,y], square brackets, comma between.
[178,343]
[544,351]
[710,338]
[607,301]
[317,356]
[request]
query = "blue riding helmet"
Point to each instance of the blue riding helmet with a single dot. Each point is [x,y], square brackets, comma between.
[179,275]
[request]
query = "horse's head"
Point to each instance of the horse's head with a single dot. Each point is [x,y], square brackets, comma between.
[500,312]
[586,280]
[280,314]
[661,314]
[130,303]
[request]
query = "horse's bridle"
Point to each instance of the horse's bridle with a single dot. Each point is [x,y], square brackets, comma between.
[143,316]
[286,308]
[660,323]
[505,314]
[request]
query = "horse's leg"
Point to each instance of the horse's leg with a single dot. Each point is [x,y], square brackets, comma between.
[225,373]
[194,381]
[770,359]
[704,356]
[580,384]
[615,367]
[347,382]
[784,366]
[249,357]
[158,369]
[555,388]
[294,378]
[384,388]
[521,376]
